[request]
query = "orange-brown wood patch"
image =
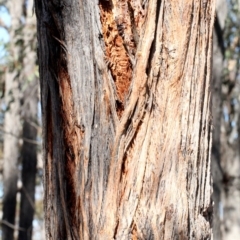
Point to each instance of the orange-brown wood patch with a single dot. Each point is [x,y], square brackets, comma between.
[73,136]
[116,53]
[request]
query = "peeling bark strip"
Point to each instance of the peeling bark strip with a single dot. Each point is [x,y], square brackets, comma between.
[63,136]
[130,146]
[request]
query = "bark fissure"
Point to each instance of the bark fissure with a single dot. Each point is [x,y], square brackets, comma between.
[134,104]
[116,51]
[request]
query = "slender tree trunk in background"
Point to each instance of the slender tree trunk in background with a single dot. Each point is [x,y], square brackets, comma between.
[217,173]
[126,121]
[217,113]
[12,125]
[29,148]
[230,147]
[230,160]
[29,162]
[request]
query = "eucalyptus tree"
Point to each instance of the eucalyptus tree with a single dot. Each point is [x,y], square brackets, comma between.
[126,118]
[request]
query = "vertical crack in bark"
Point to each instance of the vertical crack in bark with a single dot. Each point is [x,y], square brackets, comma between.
[116,55]
[116,230]
[134,231]
[73,136]
[121,36]
[134,110]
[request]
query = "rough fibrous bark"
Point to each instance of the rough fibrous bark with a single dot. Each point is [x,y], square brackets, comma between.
[126,121]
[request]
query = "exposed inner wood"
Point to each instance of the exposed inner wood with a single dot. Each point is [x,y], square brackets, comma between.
[121,36]
[73,136]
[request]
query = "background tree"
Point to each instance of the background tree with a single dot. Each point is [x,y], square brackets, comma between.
[12,124]
[126,120]
[20,121]
[30,124]
[230,158]
[218,65]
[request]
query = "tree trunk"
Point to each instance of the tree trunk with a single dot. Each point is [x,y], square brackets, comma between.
[217,172]
[126,121]
[12,124]
[230,151]
[29,148]
[29,166]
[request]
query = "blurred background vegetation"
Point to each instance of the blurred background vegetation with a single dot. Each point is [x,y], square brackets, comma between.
[20,124]
[21,191]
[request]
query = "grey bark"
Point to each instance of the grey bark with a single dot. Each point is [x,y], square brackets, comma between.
[126,120]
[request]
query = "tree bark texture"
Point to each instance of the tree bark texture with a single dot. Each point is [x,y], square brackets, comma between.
[12,125]
[126,120]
